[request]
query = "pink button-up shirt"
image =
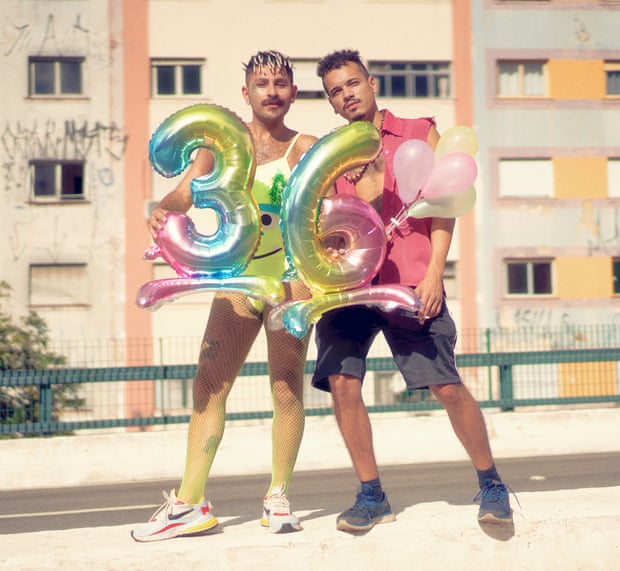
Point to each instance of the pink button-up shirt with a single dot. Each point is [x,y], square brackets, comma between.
[409,249]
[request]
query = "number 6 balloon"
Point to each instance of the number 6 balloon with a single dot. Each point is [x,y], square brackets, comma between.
[337,152]
[310,222]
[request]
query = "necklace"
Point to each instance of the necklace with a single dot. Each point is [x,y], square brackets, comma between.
[357,175]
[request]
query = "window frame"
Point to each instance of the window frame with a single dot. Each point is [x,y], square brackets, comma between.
[613,178]
[529,264]
[309,84]
[411,71]
[178,64]
[57,62]
[521,63]
[547,162]
[82,296]
[450,279]
[58,196]
[611,67]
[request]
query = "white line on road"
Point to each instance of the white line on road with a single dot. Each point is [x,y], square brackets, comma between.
[84,511]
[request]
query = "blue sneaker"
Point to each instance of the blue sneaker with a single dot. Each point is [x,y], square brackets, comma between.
[494,502]
[365,513]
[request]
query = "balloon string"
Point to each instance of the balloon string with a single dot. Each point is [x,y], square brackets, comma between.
[398,220]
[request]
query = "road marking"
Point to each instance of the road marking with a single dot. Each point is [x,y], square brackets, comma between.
[84,511]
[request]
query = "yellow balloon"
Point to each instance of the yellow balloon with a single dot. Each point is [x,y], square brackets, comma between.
[447,206]
[457,139]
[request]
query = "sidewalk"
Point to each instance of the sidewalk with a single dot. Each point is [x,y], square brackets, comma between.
[562,530]
[566,530]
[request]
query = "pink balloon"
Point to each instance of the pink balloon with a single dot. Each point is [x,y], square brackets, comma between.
[413,164]
[453,173]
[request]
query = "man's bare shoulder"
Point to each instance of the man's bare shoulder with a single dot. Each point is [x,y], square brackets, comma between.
[305,141]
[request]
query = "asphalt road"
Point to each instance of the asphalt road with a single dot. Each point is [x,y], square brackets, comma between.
[326,491]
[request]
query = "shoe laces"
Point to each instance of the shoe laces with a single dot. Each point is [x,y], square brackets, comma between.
[167,507]
[365,503]
[278,501]
[494,491]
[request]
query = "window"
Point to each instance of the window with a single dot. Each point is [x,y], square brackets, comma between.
[59,284]
[176,77]
[57,180]
[616,275]
[521,79]
[450,280]
[613,177]
[526,178]
[50,76]
[612,78]
[528,277]
[413,79]
[308,82]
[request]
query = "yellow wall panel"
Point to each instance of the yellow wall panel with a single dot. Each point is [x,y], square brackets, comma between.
[576,79]
[583,278]
[580,177]
[587,379]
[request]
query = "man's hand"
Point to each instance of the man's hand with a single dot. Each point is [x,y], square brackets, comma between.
[430,292]
[156,221]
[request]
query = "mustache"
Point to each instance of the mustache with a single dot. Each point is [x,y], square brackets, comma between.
[273,101]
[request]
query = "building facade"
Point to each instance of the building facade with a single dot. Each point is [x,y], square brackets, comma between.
[89,81]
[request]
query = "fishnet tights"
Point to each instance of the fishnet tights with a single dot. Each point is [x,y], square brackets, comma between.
[232,328]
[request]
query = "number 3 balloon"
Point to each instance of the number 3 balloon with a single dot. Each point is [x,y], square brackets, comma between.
[211,261]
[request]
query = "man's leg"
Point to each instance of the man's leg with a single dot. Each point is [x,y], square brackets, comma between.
[354,423]
[372,506]
[467,421]
[468,424]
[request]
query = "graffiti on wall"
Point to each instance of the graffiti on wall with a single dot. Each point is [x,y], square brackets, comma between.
[65,141]
[52,140]
[25,37]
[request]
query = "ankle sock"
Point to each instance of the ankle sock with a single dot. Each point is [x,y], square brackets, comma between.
[375,485]
[490,474]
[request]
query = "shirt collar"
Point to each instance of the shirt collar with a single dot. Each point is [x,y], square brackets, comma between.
[391,124]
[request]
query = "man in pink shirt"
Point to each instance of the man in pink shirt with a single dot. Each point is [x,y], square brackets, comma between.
[422,346]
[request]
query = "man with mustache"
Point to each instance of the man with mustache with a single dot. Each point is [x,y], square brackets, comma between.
[423,347]
[235,321]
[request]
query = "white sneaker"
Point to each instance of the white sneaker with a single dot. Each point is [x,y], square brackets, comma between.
[277,515]
[176,518]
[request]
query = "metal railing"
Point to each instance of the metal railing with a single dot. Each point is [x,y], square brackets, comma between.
[501,370]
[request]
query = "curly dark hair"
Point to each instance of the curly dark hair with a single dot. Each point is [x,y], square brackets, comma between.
[339,58]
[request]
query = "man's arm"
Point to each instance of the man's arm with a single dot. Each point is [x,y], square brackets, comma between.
[430,288]
[180,199]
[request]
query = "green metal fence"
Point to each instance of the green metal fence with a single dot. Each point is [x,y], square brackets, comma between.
[500,379]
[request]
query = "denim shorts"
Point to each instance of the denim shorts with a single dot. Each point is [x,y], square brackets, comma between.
[424,353]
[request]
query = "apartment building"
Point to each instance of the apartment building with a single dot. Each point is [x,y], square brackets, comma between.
[546,76]
[87,82]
